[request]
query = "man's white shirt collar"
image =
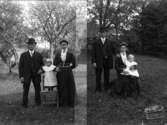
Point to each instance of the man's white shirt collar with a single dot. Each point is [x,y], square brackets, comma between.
[103,39]
[31,52]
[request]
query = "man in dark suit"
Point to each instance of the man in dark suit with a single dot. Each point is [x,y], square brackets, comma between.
[102,59]
[29,70]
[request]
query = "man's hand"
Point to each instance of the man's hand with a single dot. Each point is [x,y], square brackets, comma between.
[94,65]
[22,80]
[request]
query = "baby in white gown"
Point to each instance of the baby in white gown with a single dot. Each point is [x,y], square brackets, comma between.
[50,80]
[131,67]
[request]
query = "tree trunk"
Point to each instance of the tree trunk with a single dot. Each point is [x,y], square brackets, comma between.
[51,53]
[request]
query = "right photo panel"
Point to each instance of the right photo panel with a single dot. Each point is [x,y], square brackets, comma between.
[126,62]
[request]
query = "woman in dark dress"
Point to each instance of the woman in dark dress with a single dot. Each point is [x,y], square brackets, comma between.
[122,85]
[65,62]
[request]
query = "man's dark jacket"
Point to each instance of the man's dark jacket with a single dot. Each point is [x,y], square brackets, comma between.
[29,66]
[102,51]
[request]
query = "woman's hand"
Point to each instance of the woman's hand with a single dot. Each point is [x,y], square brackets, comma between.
[94,65]
[125,71]
[22,80]
[57,69]
[71,64]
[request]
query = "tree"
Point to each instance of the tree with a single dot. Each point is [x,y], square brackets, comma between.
[10,22]
[54,21]
[115,15]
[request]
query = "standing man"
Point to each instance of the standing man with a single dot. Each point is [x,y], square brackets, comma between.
[102,59]
[29,70]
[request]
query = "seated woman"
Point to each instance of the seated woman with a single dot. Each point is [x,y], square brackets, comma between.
[65,61]
[132,72]
[123,85]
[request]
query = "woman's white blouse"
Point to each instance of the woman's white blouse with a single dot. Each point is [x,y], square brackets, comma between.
[63,55]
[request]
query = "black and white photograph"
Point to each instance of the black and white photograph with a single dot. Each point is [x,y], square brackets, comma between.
[43,62]
[126,62]
[83,62]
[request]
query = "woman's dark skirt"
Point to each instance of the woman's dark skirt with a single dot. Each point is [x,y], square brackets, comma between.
[66,87]
[125,86]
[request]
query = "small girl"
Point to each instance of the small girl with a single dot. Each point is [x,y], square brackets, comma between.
[50,80]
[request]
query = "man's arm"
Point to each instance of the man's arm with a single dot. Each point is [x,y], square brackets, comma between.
[94,54]
[21,66]
[55,61]
[111,48]
[41,63]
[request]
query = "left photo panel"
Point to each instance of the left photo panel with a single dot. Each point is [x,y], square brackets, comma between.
[43,62]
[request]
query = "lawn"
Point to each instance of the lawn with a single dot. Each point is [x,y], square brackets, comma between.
[12,113]
[103,109]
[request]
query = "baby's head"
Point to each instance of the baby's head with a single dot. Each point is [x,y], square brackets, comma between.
[48,62]
[131,58]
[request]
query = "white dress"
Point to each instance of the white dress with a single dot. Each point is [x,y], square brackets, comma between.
[49,76]
[129,71]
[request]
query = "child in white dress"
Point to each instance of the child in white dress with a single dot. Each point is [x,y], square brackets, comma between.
[49,80]
[131,67]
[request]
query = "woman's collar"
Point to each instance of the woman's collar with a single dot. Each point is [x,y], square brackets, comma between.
[62,51]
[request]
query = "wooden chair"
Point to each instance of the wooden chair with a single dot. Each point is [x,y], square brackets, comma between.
[49,97]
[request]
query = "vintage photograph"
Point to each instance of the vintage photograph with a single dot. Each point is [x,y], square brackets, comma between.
[43,62]
[83,62]
[126,62]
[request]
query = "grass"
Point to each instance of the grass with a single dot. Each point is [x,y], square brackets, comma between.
[12,113]
[102,109]
[106,110]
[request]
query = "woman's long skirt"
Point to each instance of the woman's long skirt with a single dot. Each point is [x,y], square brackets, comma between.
[66,87]
[126,86]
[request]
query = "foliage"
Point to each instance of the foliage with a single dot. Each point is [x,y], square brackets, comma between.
[54,21]
[12,31]
[115,16]
[153,31]
[11,23]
